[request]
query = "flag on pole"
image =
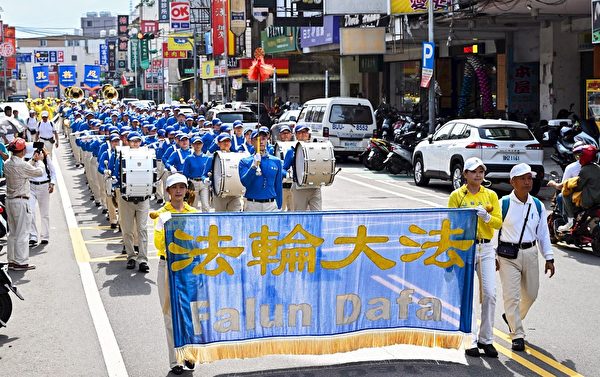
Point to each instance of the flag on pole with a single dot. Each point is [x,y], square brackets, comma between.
[124,79]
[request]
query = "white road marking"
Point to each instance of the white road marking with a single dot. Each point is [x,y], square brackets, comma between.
[113,359]
[427,202]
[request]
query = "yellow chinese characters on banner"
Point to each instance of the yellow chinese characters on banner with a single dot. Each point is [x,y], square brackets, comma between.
[416,6]
[208,69]
[181,42]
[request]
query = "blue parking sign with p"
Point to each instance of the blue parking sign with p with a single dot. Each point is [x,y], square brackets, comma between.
[428,54]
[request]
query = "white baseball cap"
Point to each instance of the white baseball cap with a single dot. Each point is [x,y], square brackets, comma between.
[473,163]
[175,179]
[521,169]
[44,113]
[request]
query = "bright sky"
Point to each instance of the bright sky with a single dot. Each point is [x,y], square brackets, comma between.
[64,15]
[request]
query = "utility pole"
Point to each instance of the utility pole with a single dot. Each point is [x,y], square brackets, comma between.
[225,54]
[432,82]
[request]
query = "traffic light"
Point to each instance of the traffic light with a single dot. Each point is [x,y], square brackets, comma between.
[145,36]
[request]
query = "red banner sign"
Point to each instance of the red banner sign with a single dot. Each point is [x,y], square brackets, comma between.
[167,54]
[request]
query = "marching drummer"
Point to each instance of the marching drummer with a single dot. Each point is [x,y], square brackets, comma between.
[194,169]
[261,175]
[227,203]
[133,215]
[285,135]
[303,198]
[106,165]
[237,139]
[224,129]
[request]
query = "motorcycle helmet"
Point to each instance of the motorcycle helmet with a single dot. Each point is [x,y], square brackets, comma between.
[588,155]
[578,146]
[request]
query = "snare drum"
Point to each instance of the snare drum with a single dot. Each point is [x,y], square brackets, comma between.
[314,164]
[137,170]
[226,176]
[281,148]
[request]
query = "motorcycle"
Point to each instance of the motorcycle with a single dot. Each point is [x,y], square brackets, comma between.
[405,140]
[375,154]
[585,230]
[561,135]
[6,286]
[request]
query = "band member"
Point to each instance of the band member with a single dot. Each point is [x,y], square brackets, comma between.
[226,203]
[285,135]
[133,215]
[107,163]
[194,168]
[237,139]
[32,125]
[264,186]
[304,198]
[177,158]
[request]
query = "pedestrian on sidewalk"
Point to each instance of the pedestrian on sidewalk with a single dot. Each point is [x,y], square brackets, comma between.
[40,190]
[176,188]
[474,195]
[524,232]
[18,172]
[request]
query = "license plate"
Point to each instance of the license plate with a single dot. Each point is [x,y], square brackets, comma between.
[510,157]
[351,144]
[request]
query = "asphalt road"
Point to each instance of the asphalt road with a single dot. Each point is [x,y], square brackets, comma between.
[85,314]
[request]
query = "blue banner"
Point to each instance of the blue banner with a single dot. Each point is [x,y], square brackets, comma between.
[23,57]
[67,75]
[41,77]
[297,279]
[103,54]
[91,77]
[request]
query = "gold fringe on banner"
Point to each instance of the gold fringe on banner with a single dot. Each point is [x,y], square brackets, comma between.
[317,345]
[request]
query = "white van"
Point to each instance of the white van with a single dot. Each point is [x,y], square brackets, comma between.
[348,123]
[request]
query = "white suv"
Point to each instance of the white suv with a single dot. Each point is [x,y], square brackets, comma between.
[500,144]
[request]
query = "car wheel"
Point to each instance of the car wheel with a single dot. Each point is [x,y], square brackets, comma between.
[457,176]
[419,176]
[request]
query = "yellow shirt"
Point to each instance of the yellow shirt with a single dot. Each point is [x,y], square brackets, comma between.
[159,232]
[462,198]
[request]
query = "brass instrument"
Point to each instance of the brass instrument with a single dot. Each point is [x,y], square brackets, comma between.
[109,93]
[75,93]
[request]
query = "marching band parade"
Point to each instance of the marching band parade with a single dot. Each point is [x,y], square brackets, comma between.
[238,233]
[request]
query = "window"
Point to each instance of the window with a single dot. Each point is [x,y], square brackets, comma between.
[73,58]
[72,43]
[43,43]
[318,116]
[244,116]
[460,131]
[505,133]
[443,132]
[350,114]
[309,114]
[89,23]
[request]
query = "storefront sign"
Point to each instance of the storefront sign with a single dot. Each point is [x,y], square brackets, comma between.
[366,20]
[362,41]
[356,7]
[317,36]
[163,11]
[168,54]
[237,22]
[278,39]
[417,6]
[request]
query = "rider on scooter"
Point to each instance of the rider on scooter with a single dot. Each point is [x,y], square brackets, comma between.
[588,184]
[571,171]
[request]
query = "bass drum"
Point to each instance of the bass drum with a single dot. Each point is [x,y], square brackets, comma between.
[137,170]
[314,164]
[281,148]
[226,175]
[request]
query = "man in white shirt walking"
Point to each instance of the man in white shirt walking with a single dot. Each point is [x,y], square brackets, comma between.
[525,231]
[41,188]
[47,133]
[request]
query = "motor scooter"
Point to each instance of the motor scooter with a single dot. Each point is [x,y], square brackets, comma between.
[375,154]
[6,286]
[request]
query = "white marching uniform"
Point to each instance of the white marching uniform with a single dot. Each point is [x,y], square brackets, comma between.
[46,133]
[40,198]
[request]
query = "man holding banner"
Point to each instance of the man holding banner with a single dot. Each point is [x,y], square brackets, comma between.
[176,188]
[474,195]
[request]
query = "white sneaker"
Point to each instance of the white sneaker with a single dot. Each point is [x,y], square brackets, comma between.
[567,227]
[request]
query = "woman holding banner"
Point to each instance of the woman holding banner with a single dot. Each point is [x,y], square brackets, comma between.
[474,195]
[176,188]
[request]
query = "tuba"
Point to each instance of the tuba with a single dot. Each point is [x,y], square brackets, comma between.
[74,92]
[109,92]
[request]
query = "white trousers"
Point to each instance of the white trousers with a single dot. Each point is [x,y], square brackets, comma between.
[260,207]
[19,219]
[485,267]
[520,284]
[227,204]
[39,197]
[307,199]
[287,203]
[162,283]
[133,219]
[202,191]
[160,188]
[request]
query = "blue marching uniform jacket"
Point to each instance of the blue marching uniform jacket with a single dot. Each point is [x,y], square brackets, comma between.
[269,185]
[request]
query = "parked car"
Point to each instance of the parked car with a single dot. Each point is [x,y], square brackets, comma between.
[228,115]
[147,103]
[500,144]
[347,122]
[16,98]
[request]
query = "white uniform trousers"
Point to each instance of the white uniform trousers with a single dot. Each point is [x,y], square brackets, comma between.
[251,206]
[19,219]
[202,191]
[99,183]
[306,199]
[520,281]
[162,283]
[287,203]
[48,145]
[77,153]
[160,188]
[485,267]
[227,203]
[112,210]
[39,197]
[133,218]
